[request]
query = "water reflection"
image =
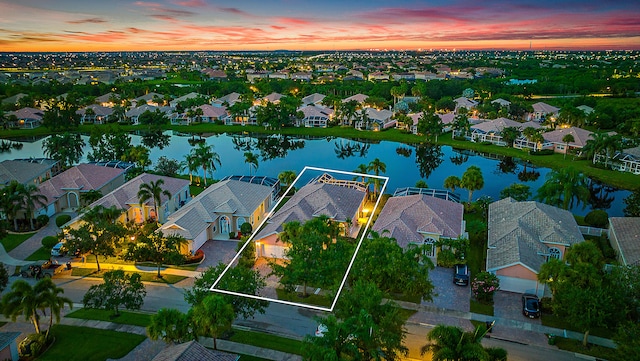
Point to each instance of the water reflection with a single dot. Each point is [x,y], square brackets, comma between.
[507,166]
[460,157]
[404,151]
[600,196]
[530,175]
[348,148]
[244,144]
[428,158]
[155,139]
[277,146]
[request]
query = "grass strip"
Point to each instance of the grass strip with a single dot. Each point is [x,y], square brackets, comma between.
[41,254]
[125,317]
[266,340]
[311,298]
[145,276]
[13,240]
[481,308]
[73,343]
[572,345]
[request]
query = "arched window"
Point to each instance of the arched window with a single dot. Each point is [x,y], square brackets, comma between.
[430,249]
[555,253]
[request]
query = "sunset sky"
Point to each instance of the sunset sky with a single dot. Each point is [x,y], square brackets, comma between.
[112,25]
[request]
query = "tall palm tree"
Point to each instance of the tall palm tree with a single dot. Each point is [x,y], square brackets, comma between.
[191,165]
[376,166]
[252,159]
[10,202]
[568,138]
[565,188]
[206,158]
[602,143]
[153,190]
[287,177]
[472,180]
[49,298]
[30,198]
[362,169]
[452,182]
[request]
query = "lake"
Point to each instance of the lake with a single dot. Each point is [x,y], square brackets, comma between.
[405,164]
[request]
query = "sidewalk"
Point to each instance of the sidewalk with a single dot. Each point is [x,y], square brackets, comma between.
[508,329]
[148,349]
[136,268]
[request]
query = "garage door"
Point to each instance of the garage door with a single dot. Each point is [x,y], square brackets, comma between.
[519,285]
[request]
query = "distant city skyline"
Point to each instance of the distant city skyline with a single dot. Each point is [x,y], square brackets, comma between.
[118,25]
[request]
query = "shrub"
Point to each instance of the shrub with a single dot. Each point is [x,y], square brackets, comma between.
[542,152]
[246,228]
[62,219]
[32,345]
[232,235]
[597,218]
[446,258]
[196,258]
[484,286]
[49,241]
[42,220]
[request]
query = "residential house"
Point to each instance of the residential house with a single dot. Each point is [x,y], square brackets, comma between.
[152,98]
[253,75]
[301,76]
[214,74]
[522,236]
[218,211]
[378,76]
[624,236]
[421,220]
[313,99]
[95,114]
[543,111]
[555,137]
[376,120]
[342,201]
[107,100]
[358,98]
[8,346]
[491,130]
[26,118]
[134,113]
[193,351]
[501,102]
[464,102]
[279,75]
[585,109]
[26,172]
[193,95]
[14,99]
[271,98]
[627,160]
[64,191]
[315,116]
[125,197]
[227,100]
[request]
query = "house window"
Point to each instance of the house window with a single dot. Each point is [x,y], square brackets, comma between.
[430,247]
[555,253]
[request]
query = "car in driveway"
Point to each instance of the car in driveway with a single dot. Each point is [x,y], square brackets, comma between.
[461,274]
[530,305]
[58,250]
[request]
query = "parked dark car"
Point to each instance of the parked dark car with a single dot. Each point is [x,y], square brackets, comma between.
[461,274]
[530,305]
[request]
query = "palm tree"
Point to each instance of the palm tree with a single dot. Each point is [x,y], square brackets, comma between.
[153,190]
[191,165]
[22,300]
[452,182]
[461,125]
[602,143]
[568,138]
[450,343]
[90,196]
[48,295]
[10,202]
[287,177]
[376,166]
[252,159]
[565,187]
[472,180]
[362,169]
[30,197]
[212,317]
[206,158]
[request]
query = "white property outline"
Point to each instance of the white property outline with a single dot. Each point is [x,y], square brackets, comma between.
[353,258]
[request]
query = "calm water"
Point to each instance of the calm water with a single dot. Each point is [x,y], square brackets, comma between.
[405,164]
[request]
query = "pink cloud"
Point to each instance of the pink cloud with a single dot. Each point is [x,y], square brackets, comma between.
[87,21]
[190,3]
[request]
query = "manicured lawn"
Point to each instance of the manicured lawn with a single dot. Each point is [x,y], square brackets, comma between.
[125,317]
[12,241]
[41,254]
[476,259]
[482,308]
[572,345]
[89,344]
[145,276]
[266,340]
[311,299]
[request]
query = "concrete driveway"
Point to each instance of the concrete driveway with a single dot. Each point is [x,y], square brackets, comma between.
[448,295]
[216,251]
[509,305]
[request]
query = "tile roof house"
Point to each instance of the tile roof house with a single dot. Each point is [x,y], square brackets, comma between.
[27,118]
[229,99]
[98,115]
[358,98]
[193,95]
[522,236]
[341,201]
[541,111]
[63,191]
[193,351]
[377,119]
[501,102]
[134,113]
[627,160]
[149,98]
[464,102]
[219,210]
[126,197]
[624,235]
[580,136]
[106,100]
[313,99]
[315,116]
[490,131]
[421,219]
[271,98]
[25,172]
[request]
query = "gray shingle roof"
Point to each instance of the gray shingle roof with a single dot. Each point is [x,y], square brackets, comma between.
[407,218]
[521,232]
[627,234]
[315,199]
[20,171]
[193,351]
[127,193]
[228,196]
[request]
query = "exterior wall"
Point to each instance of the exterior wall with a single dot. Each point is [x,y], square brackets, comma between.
[517,271]
[268,247]
[10,352]
[197,242]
